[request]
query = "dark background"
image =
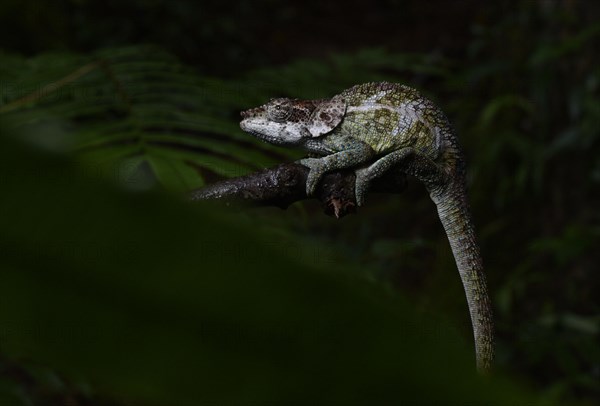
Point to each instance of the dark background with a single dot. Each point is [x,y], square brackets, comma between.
[519,79]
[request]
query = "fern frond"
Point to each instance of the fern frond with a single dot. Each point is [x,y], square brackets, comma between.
[136,102]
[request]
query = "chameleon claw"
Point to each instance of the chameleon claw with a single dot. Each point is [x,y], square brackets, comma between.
[361,186]
[360,199]
[311,185]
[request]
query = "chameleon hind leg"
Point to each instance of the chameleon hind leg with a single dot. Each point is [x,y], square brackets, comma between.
[406,160]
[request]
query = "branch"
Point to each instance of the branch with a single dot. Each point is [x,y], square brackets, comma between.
[285,184]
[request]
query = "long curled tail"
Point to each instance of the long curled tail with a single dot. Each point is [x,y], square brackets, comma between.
[455,215]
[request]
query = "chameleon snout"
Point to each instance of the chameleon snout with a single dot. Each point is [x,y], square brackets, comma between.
[251,112]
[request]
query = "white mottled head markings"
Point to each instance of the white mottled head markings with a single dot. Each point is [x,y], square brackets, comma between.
[287,121]
[327,116]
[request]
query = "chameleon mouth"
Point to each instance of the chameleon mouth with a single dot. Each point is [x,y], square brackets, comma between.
[258,130]
[252,124]
[247,125]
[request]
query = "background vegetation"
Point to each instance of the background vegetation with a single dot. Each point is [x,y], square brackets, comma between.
[114,290]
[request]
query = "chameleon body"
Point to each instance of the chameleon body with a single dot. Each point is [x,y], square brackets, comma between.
[377,127]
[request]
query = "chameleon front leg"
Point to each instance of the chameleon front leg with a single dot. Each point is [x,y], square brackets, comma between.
[407,160]
[354,153]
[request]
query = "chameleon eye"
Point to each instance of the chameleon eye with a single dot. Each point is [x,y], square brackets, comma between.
[279,112]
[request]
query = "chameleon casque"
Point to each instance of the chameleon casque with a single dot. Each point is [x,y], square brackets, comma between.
[376,127]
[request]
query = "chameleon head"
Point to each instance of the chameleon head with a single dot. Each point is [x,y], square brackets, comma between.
[280,121]
[288,121]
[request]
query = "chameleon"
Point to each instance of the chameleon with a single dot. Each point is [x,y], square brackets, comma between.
[378,127]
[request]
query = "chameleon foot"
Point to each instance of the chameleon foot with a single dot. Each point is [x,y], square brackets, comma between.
[317,169]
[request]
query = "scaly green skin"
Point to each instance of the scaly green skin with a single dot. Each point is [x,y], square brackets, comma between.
[376,127]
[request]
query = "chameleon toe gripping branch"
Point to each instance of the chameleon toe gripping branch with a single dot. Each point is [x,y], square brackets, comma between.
[377,127]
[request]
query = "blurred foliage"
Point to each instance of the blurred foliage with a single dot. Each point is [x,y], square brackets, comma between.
[137,106]
[154,301]
[520,83]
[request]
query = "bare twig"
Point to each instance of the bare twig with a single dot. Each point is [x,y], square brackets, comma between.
[285,184]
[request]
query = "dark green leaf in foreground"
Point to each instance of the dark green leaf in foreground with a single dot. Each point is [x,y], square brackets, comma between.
[156,302]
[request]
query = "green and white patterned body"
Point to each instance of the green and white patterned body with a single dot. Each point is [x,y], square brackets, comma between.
[377,127]
[390,117]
